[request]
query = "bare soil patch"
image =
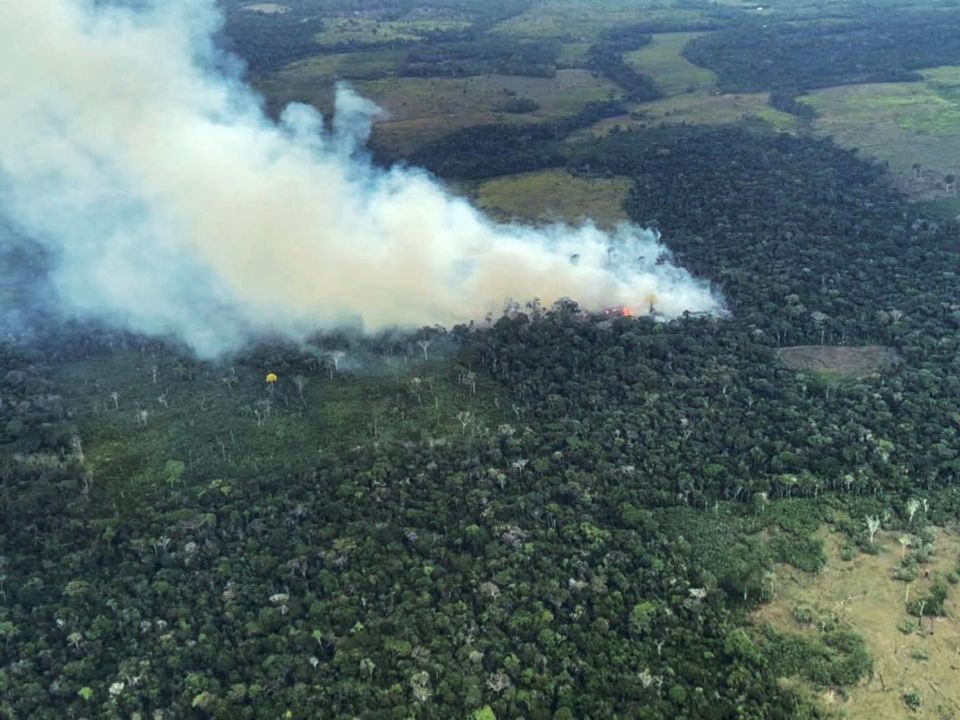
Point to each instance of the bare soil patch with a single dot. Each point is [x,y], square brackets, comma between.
[842,361]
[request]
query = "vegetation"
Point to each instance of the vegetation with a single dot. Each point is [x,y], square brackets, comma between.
[781,56]
[485,55]
[547,514]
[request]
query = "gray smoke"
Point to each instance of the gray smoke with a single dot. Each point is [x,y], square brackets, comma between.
[169,203]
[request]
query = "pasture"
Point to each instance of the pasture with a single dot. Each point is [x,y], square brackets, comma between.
[553,196]
[905,124]
[673,73]
[861,594]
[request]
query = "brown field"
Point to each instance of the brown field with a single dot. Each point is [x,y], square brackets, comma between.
[864,596]
[840,361]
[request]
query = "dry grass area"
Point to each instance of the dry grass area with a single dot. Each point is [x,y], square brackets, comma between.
[554,196]
[840,361]
[865,597]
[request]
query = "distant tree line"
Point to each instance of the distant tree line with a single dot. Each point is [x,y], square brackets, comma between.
[881,46]
[605,57]
[505,148]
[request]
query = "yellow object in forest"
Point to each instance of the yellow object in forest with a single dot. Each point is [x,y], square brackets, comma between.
[271,378]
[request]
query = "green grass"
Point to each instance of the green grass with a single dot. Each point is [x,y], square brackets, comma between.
[696,109]
[708,109]
[673,73]
[583,20]
[414,98]
[945,209]
[366,31]
[902,123]
[421,109]
[554,195]
[244,429]
[573,54]
[311,80]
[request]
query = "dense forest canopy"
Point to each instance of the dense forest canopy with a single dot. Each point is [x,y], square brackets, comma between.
[800,55]
[545,514]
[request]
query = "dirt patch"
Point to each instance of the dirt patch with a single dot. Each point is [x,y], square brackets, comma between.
[267,8]
[862,594]
[841,361]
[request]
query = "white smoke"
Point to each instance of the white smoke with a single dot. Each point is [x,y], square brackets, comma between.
[171,204]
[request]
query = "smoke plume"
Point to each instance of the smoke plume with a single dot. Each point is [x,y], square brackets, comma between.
[169,203]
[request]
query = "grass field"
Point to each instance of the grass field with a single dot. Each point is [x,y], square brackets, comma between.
[423,109]
[311,80]
[573,54]
[415,98]
[945,209]
[839,361]
[902,123]
[696,109]
[366,31]
[674,74]
[554,196]
[862,595]
[583,20]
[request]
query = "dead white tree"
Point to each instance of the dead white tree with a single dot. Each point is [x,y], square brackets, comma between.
[335,357]
[912,506]
[904,544]
[77,446]
[465,417]
[425,346]
[115,396]
[142,416]
[300,381]
[873,524]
